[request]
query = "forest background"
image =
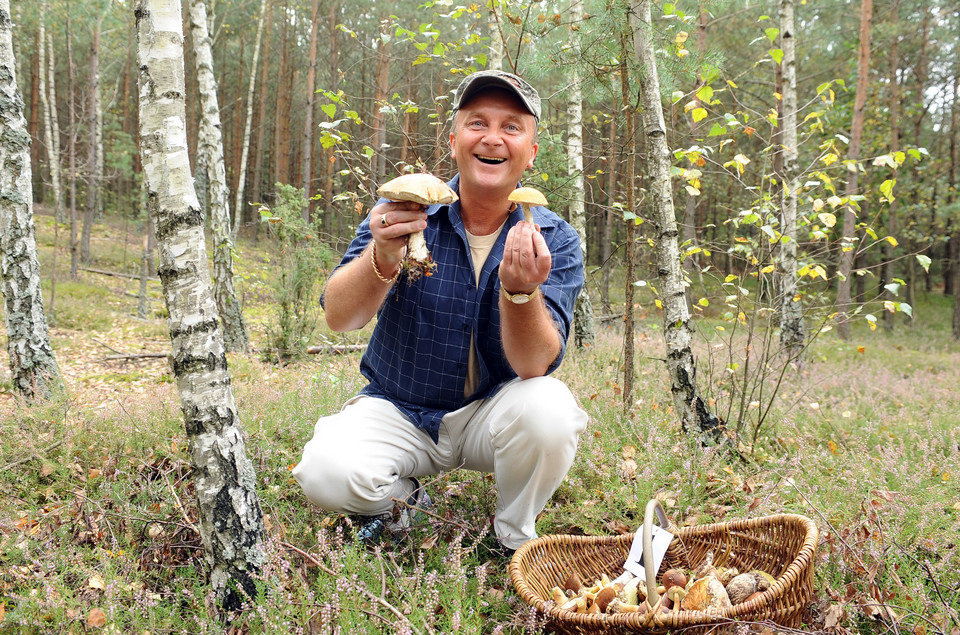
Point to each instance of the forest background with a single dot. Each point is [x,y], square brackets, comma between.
[346,96]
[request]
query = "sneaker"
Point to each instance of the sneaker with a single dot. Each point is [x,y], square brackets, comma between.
[397,523]
[493,548]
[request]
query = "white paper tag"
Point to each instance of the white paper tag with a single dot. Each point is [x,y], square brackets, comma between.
[635,561]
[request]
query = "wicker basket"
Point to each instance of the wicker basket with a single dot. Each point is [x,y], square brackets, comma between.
[782,545]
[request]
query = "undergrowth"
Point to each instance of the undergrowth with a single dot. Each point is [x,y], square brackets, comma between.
[97,521]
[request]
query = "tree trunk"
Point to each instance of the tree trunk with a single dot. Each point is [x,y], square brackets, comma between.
[33,368]
[688,229]
[584,332]
[306,151]
[629,115]
[792,331]
[93,151]
[677,332]
[281,120]
[611,214]
[380,99]
[48,105]
[256,191]
[210,146]
[231,521]
[245,148]
[72,151]
[34,129]
[889,254]
[848,243]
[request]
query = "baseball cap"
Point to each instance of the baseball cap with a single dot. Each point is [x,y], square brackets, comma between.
[475,82]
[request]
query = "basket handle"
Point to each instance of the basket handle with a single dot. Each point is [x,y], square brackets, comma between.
[653,506]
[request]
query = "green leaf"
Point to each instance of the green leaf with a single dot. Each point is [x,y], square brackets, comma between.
[699,114]
[893,288]
[329,110]
[705,94]
[924,262]
[777,55]
[903,307]
[886,189]
[717,130]
[772,34]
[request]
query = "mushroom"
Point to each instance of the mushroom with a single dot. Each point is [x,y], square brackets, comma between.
[425,189]
[525,197]
[706,594]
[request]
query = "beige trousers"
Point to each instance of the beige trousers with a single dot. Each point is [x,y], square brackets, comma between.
[525,434]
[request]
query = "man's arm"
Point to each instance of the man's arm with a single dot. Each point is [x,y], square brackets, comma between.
[531,341]
[355,292]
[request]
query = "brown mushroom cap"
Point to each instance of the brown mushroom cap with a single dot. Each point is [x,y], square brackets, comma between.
[422,188]
[527,196]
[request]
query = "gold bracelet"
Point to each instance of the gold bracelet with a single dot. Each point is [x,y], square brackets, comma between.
[376,269]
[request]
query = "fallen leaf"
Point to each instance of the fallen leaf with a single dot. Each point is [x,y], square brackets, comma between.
[96,582]
[97,618]
[833,616]
[47,469]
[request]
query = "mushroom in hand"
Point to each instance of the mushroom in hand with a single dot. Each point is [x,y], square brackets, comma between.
[527,196]
[425,189]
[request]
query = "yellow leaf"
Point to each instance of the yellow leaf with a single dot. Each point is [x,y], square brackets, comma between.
[861,349]
[659,304]
[817,204]
[97,618]
[768,269]
[827,219]
[834,201]
[681,37]
[832,446]
[96,582]
[891,240]
[829,159]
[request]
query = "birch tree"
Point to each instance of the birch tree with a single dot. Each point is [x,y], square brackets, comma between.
[94,143]
[231,521]
[677,332]
[210,146]
[792,332]
[248,123]
[584,333]
[33,368]
[848,241]
[306,151]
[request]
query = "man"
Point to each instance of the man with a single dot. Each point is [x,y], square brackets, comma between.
[458,362]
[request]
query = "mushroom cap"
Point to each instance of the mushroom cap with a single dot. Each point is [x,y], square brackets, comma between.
[422,188]
[527,196]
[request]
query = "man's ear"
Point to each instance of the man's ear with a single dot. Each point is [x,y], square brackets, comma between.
[533,156]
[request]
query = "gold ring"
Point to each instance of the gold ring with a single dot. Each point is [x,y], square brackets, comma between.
[383,221]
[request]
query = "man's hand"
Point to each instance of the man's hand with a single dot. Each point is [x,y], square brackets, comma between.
[391,223]
[526,259]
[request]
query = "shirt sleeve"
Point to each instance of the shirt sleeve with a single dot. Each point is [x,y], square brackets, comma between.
[564,283]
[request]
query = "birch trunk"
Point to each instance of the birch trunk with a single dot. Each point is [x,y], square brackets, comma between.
[56,174]
[231,521]
[33,368]
[48,106]
[848,241]
[584,333]
[93,151]
[245,149]
[792,332]
[72,161]
[210,146]
[630,125]
[676,323]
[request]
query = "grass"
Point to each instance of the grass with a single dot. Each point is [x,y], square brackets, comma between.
[96,520]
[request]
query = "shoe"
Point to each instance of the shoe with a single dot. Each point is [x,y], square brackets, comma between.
[493,548]
[396,523]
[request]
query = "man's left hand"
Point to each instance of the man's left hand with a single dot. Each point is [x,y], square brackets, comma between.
[526,259]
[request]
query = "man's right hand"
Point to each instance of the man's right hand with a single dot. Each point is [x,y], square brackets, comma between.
[391,223]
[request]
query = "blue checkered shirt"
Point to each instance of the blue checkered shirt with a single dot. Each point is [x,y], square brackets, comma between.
[418,353]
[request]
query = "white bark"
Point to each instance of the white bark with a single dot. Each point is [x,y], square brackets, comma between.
[231,521]
[245,151]
[94,143]
[792,332]
[210,146]
[676,323]
[584,333]
[33,367]
[306,147]
[51,122]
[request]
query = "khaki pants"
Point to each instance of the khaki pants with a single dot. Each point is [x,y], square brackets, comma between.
[525,434]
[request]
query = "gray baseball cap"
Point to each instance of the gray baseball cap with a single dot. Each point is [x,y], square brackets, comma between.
[476,82]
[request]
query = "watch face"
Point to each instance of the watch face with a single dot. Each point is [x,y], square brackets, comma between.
[520,298]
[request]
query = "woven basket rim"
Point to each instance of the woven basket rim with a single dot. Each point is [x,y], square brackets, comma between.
[792,574]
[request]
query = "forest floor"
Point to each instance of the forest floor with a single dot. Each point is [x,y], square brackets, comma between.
[97,527]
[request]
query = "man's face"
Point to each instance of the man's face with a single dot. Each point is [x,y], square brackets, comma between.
[493,140]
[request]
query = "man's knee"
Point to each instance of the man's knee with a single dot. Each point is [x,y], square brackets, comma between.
[550,416]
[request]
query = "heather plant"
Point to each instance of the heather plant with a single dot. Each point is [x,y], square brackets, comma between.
[98,519]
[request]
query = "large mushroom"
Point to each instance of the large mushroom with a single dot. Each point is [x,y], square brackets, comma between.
[425,189]
[526,197]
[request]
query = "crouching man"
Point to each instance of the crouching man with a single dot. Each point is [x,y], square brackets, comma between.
[459,362]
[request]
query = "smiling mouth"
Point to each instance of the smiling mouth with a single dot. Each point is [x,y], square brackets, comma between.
[489,160]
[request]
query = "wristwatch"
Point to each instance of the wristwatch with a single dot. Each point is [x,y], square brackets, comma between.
[519,298]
